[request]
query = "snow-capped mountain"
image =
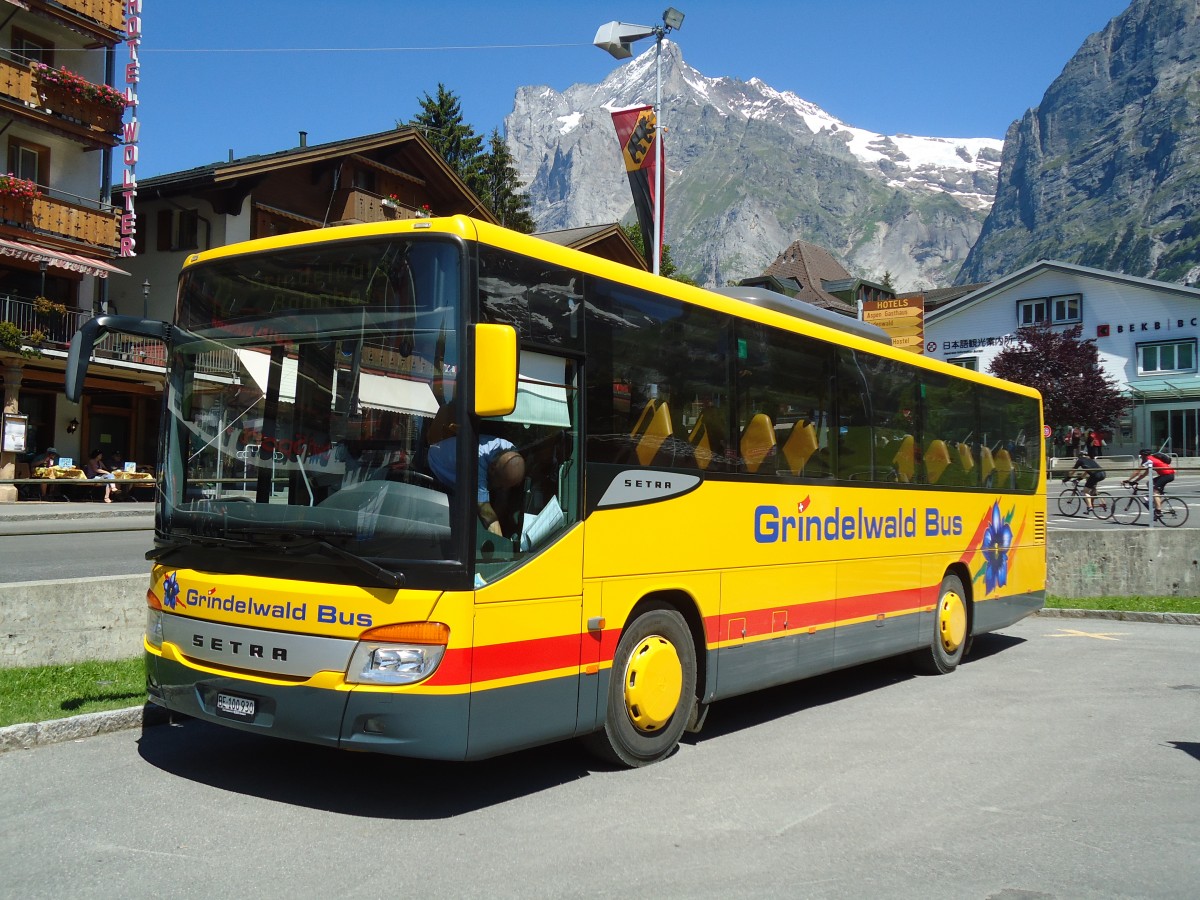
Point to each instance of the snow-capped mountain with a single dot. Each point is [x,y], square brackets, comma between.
[752,169]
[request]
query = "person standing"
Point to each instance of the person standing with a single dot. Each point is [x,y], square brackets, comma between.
[1095,442]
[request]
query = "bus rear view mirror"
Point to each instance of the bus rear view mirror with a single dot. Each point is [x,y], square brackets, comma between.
[495,370]
[84,341]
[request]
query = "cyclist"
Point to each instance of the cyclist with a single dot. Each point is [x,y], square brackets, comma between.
[1162,472]
[1090,469]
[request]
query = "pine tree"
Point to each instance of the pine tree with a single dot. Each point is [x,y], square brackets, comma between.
[441,121]
[1075,389]
[500,187]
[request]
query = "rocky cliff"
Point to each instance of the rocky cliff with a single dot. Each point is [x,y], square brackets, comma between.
[1105,172]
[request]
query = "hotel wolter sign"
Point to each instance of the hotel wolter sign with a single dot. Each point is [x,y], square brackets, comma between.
[131,129]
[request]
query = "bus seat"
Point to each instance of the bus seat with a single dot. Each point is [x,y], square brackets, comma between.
[966,458]
[657,430]
[903,460]
[644,417]
[1004,467]
[758,440]
[799,447]
[937,458]
[986,465]
[701,449]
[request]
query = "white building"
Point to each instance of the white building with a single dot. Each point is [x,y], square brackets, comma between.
[1146,332]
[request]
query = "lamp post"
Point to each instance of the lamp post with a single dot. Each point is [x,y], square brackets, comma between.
[146,299]
[614,38]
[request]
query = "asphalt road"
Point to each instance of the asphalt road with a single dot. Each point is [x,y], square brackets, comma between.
[36,557]
[1060,761]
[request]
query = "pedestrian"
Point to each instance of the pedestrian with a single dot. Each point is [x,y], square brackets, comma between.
[1095,442]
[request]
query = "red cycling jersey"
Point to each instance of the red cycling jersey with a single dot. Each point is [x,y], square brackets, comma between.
[1157,465]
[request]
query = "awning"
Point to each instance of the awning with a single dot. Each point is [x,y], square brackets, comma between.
[1177,387]
[396,394]
[259,366]
[83,264]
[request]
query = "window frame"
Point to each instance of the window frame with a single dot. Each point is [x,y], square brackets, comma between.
[1028,309]
[1157,346]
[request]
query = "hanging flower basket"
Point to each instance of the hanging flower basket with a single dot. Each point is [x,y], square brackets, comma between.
[14,188]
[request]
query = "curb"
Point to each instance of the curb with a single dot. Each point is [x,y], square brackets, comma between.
[1166,618]
[28,735]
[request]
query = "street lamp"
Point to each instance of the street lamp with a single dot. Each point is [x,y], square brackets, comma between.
[146,299]
[614,38]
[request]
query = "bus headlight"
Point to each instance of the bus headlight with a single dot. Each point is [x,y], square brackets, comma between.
[154,628]
[398,654]
[154,620]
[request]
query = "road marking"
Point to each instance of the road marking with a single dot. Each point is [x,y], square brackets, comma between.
[1098,635]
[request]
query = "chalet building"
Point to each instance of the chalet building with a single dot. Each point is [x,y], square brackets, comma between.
[60,122]
[810,274]
[1146,332]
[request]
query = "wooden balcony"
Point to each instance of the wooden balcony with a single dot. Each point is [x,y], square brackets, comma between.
[19,82]
[351,207]
[72,223]
[110,14]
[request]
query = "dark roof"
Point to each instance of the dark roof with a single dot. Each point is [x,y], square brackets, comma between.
[935,297]
[809,266]
[607,241]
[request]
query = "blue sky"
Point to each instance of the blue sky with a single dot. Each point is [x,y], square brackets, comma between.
[248,76]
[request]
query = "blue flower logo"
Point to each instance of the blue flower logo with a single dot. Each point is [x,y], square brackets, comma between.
[171,590]
[997,540]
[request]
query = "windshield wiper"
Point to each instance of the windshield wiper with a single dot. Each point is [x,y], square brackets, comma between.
[291,543]
[387,576]
[157,554]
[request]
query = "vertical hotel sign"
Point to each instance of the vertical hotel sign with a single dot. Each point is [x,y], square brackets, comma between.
[903,318]
[131,129]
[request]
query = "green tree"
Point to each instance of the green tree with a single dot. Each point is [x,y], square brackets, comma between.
[666,265]
[887,282]
[441,121]
[501,187]
[1066,369]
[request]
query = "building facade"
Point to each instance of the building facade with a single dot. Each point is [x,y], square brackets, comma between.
[1146,333]
[61,118]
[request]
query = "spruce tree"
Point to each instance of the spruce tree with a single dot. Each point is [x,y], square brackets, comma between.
[441,121]
[500,187]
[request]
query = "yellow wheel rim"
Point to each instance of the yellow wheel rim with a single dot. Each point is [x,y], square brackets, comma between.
[653,682]
[952,621]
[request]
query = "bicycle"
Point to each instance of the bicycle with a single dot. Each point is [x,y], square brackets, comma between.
[1127,510]
[1073,502]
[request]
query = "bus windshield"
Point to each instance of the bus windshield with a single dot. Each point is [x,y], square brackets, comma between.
[299,402]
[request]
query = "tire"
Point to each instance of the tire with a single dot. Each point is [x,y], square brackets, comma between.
[651,691]
[951,631]
[1102,505]
[1127,510]
[1069,502]
[1174,512]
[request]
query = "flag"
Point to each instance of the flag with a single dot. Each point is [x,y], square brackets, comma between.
[636,131]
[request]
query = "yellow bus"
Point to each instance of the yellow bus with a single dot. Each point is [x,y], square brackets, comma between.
[437,489]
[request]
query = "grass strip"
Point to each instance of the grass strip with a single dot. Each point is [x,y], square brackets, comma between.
[1128,604]
[55,692]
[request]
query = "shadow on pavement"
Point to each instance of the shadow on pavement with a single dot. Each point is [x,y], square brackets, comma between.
[389,787]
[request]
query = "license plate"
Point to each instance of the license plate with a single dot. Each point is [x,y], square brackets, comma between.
[237,707]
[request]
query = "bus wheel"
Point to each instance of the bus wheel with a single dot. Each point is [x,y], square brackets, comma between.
[950,636]
[651,690]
